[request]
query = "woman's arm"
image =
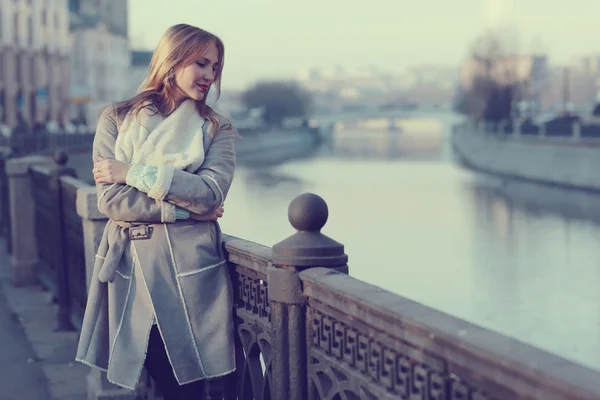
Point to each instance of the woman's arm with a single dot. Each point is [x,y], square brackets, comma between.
[201,192]
[121,202]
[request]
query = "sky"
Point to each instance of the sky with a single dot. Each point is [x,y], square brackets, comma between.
[276,38]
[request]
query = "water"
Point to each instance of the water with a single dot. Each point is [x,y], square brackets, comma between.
[520,260]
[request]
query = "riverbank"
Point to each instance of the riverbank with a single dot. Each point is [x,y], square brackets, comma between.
[276,146]
[565,162]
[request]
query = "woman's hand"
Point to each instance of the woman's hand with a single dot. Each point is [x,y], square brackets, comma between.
[218,213]
[110,171]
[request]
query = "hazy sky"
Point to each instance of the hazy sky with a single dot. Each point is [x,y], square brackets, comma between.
[275,38]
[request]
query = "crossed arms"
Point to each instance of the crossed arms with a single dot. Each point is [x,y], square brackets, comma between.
[200,193]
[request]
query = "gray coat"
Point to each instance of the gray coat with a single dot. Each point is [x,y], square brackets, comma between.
[179,274]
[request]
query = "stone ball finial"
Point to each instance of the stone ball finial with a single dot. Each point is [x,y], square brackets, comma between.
[308,212]
[61,157]
[308,247]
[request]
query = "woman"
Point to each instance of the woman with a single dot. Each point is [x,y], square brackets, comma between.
[160,295]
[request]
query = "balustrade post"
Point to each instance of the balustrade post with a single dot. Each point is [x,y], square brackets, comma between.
[500,129]
[4,199]
[307,248]
[542,130]
[481,127]
[576,132]
[93,223]
[24,254]
[517,131]
[60,256]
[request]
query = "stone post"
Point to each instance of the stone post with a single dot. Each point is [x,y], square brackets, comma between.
[307,248]
[4,199]
[93,222]
[542,130]
[481,127]
[576,132]
[22,218]
[500,128]
[93,226]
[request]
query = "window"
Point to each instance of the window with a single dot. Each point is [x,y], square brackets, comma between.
[2,110]
[45,30]
[16,27]
[29,31]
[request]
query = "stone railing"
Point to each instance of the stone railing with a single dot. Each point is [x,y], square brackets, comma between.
[565,162]
[305,329]
[563,133]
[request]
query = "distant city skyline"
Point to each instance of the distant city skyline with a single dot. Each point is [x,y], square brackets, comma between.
[273,39]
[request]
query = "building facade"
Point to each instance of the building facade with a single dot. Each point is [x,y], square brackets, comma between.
[100,57]
[34,62]
[140,63]
[582,82]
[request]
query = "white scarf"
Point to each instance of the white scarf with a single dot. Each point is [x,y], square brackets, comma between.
[174,142]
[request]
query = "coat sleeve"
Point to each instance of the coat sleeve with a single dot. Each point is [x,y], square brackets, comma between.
[121,202]
[205,190]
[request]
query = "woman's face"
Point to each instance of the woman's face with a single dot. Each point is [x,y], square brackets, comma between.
[195,79]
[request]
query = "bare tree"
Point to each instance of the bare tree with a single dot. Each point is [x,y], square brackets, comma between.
[278,99]
[492,82]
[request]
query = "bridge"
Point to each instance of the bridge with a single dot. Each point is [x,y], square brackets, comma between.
[306,329]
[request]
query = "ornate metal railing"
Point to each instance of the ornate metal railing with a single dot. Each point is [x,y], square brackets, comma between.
[4,201]
[45,224]
[75,249]
[366,343]
[324,335]
[59,237]
[305,329]
[249,263]
[563,134]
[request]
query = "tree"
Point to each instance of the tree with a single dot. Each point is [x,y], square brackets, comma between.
[493,85]
[278,99]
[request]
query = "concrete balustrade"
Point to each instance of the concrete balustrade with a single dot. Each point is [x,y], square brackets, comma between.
[321,333]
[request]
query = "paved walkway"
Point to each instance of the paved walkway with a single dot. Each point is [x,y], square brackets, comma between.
[36,363]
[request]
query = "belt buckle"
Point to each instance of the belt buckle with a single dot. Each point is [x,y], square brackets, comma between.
[140,232]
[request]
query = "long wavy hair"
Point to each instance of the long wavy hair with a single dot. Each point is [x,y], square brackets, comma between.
[181,45]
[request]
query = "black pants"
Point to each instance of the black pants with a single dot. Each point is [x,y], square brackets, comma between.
[159,368]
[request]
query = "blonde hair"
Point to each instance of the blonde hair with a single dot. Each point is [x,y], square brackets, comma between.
[181,45]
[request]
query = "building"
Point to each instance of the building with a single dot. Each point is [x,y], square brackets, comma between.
[100,57]
[34,61]
[582,80]
[140,62]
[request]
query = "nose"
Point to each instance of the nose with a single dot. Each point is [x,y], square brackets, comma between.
[209,76]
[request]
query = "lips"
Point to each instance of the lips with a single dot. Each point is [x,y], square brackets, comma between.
[204,88]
